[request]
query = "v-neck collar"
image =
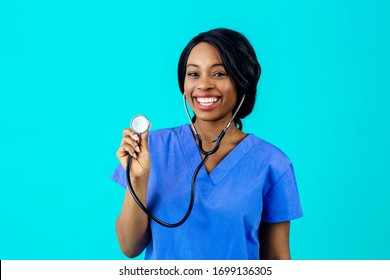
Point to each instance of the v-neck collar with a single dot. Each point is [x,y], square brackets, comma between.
[207,182]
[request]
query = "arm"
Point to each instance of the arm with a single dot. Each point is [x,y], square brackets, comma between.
[274,241]
[132,225]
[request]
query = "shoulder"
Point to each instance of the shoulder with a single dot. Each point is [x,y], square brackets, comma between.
[268,150]
[270,156]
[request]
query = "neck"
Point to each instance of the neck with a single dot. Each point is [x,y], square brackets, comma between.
[208,131]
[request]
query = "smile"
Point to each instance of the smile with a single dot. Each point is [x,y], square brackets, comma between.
[207,101]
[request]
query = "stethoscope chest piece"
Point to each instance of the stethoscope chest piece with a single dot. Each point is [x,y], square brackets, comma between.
[139,124]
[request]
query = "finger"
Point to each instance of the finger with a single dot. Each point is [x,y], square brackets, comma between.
[121,152]
[144,140]
[131,133]
[132,142]
[127,149]
[127,131]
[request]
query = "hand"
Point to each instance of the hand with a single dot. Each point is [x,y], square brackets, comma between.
[136,147]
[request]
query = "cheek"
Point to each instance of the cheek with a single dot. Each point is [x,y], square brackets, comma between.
[188,85]
[230,94]
[230,90]
[188,88]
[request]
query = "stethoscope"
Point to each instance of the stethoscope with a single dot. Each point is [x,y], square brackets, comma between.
[140,124]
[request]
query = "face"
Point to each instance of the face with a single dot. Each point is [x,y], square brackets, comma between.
[210,92]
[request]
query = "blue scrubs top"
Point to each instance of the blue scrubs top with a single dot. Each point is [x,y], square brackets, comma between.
[255,182]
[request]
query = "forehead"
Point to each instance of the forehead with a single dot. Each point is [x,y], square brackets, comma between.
[204,53]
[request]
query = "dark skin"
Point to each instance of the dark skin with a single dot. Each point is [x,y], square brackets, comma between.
[212,95]
[207,76]
[274,241]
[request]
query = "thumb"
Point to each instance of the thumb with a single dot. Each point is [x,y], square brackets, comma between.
[144,139]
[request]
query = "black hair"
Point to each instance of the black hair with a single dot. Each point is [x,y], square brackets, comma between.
[239,59]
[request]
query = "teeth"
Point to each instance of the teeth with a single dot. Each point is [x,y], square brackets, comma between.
[207,100]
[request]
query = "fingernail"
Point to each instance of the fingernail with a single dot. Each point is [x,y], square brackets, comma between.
[134,155]
[137,149]
[135,137]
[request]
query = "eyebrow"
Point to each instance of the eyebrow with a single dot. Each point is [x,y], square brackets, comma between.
[214,65]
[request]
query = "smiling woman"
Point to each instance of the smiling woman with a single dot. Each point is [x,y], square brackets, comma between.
[211,92]
[246,191]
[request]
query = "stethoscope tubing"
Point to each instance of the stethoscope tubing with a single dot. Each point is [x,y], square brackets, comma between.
[206,155]
[148,213]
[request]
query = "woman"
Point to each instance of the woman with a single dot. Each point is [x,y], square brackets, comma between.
[246,192]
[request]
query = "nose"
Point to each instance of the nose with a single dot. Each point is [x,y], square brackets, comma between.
[205,83]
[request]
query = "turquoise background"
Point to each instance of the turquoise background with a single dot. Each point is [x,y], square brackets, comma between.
[73,73]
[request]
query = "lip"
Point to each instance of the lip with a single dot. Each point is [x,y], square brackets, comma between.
[208,107]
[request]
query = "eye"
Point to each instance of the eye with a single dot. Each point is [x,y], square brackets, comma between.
[219,74]
[192,74]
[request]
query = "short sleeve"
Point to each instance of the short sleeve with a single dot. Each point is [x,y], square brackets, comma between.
[281,203]
[119,176]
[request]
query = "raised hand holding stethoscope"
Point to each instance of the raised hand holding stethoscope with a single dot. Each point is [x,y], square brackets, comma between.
[139,127]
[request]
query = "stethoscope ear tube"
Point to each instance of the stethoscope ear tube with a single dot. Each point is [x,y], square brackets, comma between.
[148,213]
